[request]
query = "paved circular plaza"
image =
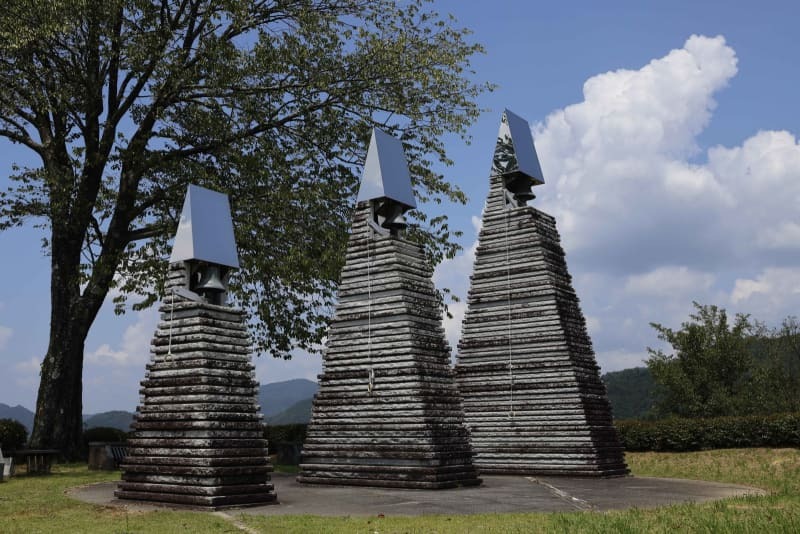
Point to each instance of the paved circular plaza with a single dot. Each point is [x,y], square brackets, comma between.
[498,494]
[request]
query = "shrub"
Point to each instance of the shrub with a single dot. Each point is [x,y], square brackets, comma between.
[13,434]
[285,433]
[676,434]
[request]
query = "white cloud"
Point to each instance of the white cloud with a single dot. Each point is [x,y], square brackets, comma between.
[785,236]
[104,354]
[762,176]
[616,164]
[454,274]
[5,335]
[669,281]
[134,348]
[453,271]
[452,325]
[773,289]
[650,222]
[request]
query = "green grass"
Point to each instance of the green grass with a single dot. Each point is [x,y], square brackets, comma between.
[33,504]
[38,504]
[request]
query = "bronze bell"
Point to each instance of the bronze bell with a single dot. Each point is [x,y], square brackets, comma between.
[520,186]
[389,214]
[209,279]
[395,220]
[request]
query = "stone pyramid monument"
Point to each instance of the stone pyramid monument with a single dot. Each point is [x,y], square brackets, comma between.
[532,393]
[198,434]
[387,412]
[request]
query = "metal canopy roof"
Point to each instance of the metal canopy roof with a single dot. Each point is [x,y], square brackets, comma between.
[205,231]
[386,171]
[515,151]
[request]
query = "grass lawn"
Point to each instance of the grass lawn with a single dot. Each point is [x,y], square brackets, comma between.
[38,504]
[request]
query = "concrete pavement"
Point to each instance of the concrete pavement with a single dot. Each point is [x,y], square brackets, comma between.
[498,494]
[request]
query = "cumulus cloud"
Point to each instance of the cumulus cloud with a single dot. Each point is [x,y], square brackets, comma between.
[785,236]
[454,274]
[775,289]
[134,348]
[650,222]
[617,163]
[669,281]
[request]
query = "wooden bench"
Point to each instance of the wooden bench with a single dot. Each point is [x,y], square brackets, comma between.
[39,461]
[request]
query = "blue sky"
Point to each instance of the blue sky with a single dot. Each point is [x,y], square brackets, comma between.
[667,133]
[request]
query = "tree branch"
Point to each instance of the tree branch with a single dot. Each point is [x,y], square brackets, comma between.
[146,232]
[22,139]
[97,230]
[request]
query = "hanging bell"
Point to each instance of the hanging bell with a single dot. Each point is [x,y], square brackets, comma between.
[397,222]
[525,196]
[520,186]
[210,280]
[392,212]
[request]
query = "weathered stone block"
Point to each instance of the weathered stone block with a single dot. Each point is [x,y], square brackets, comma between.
[198,436]
[387,412]
[532,393]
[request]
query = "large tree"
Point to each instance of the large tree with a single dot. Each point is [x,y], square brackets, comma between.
[710,372]
[725,368]
[126,101]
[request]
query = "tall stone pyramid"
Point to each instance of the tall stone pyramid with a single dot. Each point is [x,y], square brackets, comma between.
[198,435]
[533,397]
[387,412]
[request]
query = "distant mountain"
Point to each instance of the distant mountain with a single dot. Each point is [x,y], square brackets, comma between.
[19,413]
[630,392]
[115,419]
[288,401]
[299,412]
[278,397]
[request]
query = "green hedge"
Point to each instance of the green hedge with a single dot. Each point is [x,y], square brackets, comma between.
[676,434]
[285,433]
[13,435]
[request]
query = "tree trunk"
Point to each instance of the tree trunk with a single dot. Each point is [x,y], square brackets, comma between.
[58,421]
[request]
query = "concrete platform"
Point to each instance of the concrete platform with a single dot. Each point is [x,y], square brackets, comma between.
[498,494]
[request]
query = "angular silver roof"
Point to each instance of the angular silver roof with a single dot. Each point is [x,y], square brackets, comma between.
[386,171]
[205,231]
[515,152]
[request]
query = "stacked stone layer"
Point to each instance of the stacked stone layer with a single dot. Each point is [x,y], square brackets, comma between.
[409,430]
[533,397]
[198,436]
